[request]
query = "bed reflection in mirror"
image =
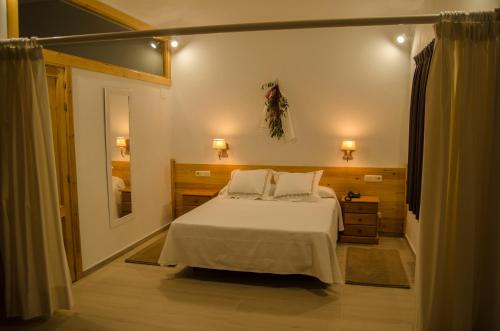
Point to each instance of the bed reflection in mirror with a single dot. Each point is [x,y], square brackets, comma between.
[118,155]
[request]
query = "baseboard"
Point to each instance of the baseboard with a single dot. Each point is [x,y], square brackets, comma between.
[412,248]
[114,256]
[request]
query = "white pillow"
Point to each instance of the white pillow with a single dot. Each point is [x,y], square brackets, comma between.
[317,177]
[297,186]
[249,183]
[326,192]
[223,191]
[268,195]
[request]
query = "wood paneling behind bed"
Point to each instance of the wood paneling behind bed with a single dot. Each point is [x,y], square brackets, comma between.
[122,169]
[391,190]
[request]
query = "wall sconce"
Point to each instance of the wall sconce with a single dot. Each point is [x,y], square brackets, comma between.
[348,147]
[220,145]
[122,144]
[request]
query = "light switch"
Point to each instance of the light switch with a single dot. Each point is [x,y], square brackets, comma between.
[373,178]
[202,173]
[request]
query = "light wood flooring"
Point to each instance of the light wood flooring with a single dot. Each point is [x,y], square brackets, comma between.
[123,296]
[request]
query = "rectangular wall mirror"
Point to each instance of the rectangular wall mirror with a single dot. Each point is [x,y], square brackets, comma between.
[118,155]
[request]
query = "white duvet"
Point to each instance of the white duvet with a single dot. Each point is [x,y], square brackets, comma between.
[279,237]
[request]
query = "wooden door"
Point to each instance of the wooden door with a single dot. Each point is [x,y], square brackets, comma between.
[63,149]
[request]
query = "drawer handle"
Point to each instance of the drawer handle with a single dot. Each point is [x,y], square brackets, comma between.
[360,231]
[360,220]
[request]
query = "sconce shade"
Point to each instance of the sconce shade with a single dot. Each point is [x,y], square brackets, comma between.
[348,145]
[121,142]
[219,144]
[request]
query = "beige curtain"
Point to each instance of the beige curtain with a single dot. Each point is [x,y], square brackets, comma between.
[458,270]
[36,279]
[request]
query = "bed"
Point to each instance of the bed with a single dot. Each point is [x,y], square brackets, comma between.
[279,237]
[117,184]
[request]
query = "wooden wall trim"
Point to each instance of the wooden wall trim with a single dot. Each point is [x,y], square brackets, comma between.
[167,59]
[391,190]
[12,19]
[77,246]
[62,59]
[133,23]
[122,169]
[58,58]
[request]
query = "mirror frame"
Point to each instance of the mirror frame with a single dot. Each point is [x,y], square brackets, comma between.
[109,145]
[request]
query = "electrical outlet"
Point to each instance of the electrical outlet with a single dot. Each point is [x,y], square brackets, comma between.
[202,173]
[373,178]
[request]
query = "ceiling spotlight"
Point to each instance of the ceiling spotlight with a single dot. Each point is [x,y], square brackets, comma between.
[153,44]
[401,39]
[174,43]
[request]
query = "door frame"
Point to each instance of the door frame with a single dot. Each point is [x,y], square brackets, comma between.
[71,166]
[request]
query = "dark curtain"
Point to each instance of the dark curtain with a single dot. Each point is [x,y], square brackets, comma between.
[416,131]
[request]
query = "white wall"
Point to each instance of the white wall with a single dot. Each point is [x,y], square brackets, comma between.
[150,125]
[340,83]
[422,36]
[176,13]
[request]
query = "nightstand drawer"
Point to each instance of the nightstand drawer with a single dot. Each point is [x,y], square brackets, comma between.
[126,208]
[360,219]
[194,200]
[126,196]
[360,207]
[360,230]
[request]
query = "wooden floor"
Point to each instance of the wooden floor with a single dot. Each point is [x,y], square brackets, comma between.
[123,296]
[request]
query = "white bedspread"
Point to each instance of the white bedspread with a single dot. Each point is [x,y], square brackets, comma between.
[278,237]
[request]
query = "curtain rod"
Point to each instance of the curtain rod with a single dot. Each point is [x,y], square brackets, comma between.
[246,27]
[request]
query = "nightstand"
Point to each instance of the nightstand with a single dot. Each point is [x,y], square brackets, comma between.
[126,205]
[192,198]
[360,220]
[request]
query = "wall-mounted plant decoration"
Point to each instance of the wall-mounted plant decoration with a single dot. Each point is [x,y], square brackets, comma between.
[276,107]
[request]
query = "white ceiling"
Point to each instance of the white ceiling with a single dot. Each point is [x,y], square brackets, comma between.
[177,13]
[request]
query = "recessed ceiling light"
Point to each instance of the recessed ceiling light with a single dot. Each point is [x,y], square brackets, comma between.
[401,39]
[174,43]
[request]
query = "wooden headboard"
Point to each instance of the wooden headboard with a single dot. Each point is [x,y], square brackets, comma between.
[391,190]
[122,169]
